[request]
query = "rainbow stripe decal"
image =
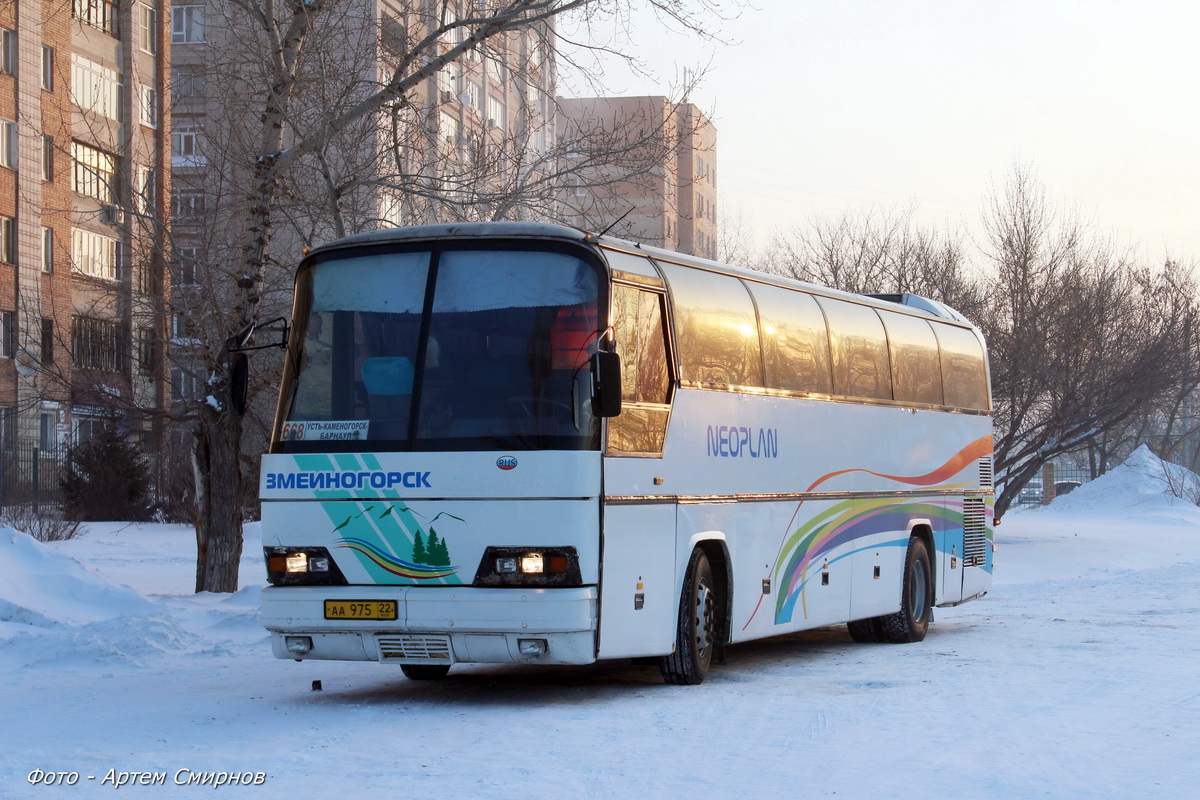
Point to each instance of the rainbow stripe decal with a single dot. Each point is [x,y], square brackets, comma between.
[840,524]
[393,565]
[392,544]
[850,519]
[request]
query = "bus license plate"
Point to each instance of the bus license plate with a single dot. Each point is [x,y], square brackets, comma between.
[360,609]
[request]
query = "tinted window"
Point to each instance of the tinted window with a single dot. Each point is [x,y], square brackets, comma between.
[794,340]
[641,427]
[859,350]
[497,359]
[716,328]
[964,374]
[916,367]
[638,327]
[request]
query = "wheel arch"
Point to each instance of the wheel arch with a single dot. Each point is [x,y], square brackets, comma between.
[717,550]
[923,530]
[716,547]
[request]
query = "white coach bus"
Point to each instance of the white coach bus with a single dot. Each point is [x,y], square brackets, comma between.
[523,443]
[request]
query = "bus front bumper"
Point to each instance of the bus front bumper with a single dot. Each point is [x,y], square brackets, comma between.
[436,625]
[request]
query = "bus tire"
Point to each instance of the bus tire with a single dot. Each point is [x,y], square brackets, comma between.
[866,631]
[911,622]
[696,632]
[425,672]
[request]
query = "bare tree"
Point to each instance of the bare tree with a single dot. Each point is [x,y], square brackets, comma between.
[1088,350]
[302,84]
[880,251]
[1081,339]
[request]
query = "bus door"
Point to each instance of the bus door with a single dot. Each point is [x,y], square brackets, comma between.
[637,587]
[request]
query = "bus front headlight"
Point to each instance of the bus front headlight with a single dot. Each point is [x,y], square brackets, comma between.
[529,566]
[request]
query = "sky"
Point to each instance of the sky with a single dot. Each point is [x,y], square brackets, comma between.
[843,105]
[1075,677]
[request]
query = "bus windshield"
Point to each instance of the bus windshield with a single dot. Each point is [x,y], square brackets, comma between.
[455,349]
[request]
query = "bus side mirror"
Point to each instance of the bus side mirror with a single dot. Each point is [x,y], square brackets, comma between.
[606,384]
[239,382]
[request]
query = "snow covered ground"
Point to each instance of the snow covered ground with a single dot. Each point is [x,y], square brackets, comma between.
[1078,676]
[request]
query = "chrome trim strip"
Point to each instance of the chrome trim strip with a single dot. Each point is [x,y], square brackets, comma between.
[858,401]
[691,499]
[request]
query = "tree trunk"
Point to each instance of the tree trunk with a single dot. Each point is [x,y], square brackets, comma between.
[219,494]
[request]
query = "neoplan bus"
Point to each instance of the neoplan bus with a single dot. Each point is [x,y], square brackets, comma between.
[522,443]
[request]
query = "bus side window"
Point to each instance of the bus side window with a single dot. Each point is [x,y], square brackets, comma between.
[716,328]
[963,370]
[916,367]
[641,342]
[861,366]
[794,339]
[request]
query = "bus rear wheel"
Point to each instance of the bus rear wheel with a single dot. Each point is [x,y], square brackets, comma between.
[911,622]
[697,629]
[425,672]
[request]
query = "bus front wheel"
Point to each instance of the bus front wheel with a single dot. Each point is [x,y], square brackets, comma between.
[425,672]
[911,622]
[697,629]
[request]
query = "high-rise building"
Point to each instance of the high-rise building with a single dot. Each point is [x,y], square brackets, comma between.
[83,178]
[662,190]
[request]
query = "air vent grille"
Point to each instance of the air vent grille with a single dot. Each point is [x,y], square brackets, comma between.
[985,472]
[974,533]
[431,649]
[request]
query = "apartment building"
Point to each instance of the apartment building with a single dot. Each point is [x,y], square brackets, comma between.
[457,148]
[83,179]
[662,190]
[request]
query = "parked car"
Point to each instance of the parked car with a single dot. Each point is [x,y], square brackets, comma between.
[1065,487]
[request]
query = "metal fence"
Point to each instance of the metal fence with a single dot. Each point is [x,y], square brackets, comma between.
[1065,481]
[30,474]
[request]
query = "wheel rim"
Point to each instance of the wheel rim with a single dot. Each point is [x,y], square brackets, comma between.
[705,617]
[918,590]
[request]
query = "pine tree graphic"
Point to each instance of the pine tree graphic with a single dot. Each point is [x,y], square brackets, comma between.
[439,553]
[420,555]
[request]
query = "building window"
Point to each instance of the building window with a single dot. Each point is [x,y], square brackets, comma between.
[8,239]
[8,51]
[149,106]
[147,28]
[98,344]
[146,351]
[95,87]
[47,157]
[94,171]
[495,111]
[47,438]
[145,198]
[187,265]
[94,254]
[8,144]
[187,24]
[48,68]
[100,14]
[186,148]
[187,85]
[184,385]
[183,330]
[47,341]
[187,206]
[47,249]
[8,333]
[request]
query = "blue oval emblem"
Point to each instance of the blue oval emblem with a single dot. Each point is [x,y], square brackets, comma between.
[506,462]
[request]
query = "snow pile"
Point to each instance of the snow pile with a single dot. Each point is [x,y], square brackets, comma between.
[53,609]
[1124,520]
[40,587]
[1144,485]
